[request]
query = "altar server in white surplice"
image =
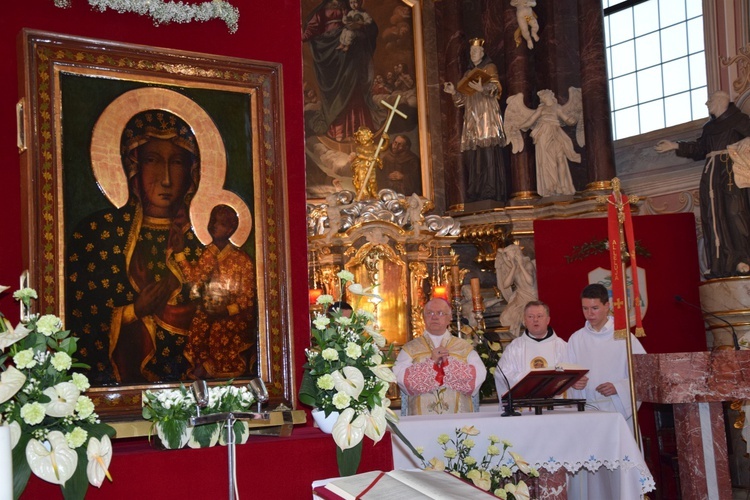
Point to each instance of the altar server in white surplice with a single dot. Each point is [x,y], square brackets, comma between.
[439,373]
[537,347]
[606,387]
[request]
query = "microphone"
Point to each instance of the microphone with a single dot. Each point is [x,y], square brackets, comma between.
[678,298]
[509,412]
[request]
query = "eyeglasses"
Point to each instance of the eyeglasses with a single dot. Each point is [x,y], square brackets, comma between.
[439,314]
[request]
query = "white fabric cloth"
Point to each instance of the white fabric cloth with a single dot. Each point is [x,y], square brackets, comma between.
[607,361]
[517,358]
[404,361]
[548,442]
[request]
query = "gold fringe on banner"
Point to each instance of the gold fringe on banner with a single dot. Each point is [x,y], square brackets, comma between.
[639,332]
[620,334]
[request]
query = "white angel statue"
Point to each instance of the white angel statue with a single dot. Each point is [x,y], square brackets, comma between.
[516,279]
[553,146]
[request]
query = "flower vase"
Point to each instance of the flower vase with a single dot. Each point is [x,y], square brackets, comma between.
[174,437]
[209,438]
[325,423]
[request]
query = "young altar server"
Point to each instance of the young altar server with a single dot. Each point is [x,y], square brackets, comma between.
[606,387]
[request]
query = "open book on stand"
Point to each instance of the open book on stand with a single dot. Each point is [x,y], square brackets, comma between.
[541,387]
[400,485]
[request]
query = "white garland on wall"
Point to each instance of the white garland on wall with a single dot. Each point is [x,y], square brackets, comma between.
[167,12]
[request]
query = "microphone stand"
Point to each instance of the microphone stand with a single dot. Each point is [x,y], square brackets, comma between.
[229,418]
[678,298]
[509,411]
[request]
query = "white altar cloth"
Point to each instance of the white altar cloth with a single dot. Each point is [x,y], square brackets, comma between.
[569,439]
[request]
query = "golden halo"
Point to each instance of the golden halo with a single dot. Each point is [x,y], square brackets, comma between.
[106,161]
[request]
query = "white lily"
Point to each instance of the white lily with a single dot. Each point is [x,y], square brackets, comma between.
[64,396]
[375,424]
[350,382]
[347,433]
[55,465]
[11,336]
[11,381]
[99,454]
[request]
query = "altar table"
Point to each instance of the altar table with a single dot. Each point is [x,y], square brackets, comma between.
[555,440]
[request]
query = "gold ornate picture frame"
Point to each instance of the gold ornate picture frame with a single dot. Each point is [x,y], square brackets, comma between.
[90,223]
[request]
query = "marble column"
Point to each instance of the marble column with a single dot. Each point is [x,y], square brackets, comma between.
[696,383]
[518,79]
[599,151]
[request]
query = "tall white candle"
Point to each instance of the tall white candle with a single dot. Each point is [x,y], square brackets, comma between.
[6,465]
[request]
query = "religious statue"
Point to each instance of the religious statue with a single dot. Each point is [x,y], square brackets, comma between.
[482,137]
[725,205]
[526,19]
[364,163]
[553,146]
[516,279]
[414,208]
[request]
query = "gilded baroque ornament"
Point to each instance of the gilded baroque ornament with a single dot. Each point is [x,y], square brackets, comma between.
[169,12]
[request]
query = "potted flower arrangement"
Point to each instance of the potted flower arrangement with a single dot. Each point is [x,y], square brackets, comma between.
[347,376]
[170,410]
[494,472]
[54,430]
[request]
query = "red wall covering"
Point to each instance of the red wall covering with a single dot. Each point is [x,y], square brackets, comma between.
[268,31]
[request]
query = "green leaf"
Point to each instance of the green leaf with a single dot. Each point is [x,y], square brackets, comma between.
[203,433]
[348,459]
[21,469]
[75,487]
[308,391]
[173,430]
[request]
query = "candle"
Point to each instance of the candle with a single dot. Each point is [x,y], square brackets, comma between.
[313,294]
[475,288]
[440,292]
[6,464]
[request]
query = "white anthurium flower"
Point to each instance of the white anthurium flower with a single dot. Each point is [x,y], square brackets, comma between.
[99,454]
[375,424]
[347,433]
[376,336]
[64,397]
[522,464]
[3,288]
[15,433]
[55,465]
[350,382]
[11,336]
[357,289]
[390,415]
[11,381]
[383,372]
[522,491]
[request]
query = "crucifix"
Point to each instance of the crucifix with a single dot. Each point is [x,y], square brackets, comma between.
[371,161]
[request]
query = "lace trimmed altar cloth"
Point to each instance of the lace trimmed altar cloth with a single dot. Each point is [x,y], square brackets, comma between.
[557,439]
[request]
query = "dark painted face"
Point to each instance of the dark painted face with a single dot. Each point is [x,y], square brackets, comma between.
[164,176]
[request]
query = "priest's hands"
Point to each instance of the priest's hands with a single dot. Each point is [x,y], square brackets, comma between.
[439,353]
[606,389]
[581,384]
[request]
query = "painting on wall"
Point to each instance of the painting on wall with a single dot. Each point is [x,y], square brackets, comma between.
[153,191]
[360,58]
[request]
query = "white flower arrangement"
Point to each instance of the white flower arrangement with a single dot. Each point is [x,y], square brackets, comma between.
[167,12]
[170,410]
[55,432]
[345,371]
